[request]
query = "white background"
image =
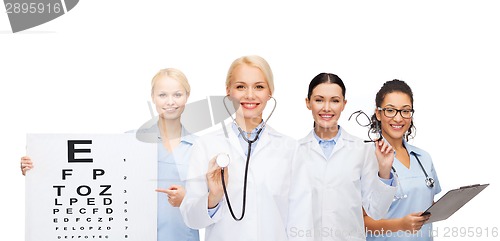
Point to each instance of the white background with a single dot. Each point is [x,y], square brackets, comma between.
[89,72]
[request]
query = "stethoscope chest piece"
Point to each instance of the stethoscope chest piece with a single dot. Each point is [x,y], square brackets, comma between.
[429,181]
[222,160]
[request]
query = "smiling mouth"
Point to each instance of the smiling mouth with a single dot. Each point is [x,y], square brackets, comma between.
[171,109]
[250,105]
[397,127]
[326,116]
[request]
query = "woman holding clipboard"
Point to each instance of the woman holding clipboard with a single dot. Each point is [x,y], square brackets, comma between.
[413,169]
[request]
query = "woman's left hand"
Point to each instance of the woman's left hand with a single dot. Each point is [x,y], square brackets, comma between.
[175,194]
[385,158]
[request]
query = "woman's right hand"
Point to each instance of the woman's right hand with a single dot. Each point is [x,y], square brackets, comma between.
[414,222]
[26,164]
[214,181]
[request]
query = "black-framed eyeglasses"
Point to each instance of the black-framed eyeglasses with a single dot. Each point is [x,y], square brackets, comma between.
[392,112]
[374,134]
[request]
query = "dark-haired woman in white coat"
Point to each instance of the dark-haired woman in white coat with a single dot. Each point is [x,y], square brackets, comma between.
[347,174]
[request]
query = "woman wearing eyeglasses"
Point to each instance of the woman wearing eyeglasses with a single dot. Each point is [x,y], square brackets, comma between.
[346,173]
[413,168]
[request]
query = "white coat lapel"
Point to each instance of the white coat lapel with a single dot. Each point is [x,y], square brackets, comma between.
[338,146]
[341,143]
[314,145]
[264,140]
[233,140]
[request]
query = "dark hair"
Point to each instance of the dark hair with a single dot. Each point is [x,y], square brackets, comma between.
[394,85]
[325,78]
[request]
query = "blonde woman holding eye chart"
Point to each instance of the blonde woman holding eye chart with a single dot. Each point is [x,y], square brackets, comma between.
[170,90]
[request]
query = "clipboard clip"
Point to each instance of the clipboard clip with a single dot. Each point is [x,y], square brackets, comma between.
[470,186]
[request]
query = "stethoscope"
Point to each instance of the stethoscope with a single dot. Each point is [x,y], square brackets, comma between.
[429,181]
[223,160]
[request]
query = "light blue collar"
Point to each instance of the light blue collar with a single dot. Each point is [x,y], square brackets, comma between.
[186,136]
[253,133]
[332,140]
[411,149]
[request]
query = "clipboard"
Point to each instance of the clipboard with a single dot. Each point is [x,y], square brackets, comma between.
[452,201]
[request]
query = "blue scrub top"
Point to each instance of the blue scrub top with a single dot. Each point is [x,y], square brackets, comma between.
[419,196]
[172,169]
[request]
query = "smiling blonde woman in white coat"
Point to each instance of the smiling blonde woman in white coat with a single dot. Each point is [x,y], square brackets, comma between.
[346,173]
[278,197]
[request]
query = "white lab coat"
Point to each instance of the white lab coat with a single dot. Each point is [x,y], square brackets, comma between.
[342,184]
[279,200]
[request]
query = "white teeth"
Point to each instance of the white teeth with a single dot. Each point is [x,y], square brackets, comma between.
[326,116]
[397,127]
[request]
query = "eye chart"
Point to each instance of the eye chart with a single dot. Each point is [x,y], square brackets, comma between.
[91,187]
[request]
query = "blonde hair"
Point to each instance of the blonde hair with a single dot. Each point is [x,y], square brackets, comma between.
[254,61]
[174,74]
